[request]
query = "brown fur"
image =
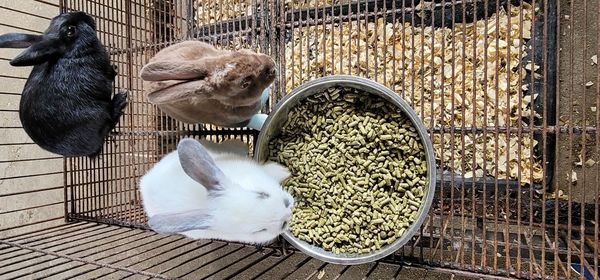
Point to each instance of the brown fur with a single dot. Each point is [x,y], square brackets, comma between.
[194,82]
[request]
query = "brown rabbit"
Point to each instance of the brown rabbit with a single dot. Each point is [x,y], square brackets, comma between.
[194,82]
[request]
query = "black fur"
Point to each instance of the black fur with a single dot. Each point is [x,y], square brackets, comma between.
[66,105]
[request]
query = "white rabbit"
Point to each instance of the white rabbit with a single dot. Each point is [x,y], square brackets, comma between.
[215,191]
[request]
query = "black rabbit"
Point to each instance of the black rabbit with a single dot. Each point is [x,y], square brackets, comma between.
[66,105]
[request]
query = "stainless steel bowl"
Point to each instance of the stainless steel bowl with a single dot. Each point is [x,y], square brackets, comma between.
[277,118]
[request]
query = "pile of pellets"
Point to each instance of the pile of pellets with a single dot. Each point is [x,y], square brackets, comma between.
[359,172]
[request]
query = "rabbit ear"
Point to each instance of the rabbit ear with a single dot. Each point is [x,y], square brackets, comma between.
[199,165]
[173,70]
[180,222]
[171,91]
[277,171]
[39,52]
[18,40]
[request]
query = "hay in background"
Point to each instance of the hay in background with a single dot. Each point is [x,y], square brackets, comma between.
[421,70]
[212,11]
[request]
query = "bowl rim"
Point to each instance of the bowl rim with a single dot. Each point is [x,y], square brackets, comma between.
[386,93]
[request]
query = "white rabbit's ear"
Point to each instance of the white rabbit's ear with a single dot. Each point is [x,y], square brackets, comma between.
[199,165]
[180,222]
[277,171]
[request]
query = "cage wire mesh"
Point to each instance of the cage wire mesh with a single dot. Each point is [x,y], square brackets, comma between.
[507,89]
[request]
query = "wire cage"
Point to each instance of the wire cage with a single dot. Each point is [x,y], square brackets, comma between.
[507,89]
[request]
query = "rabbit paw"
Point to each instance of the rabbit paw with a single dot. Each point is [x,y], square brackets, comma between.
[119,103]
[265,97]
[257,121]
[112,137]
[115,70]
[259,247]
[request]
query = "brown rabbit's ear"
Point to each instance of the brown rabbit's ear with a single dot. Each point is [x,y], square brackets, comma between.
[173,70]
[180,222]
[176,91]
[199,165]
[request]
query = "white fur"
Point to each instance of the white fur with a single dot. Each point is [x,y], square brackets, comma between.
[219,75]
[239,212]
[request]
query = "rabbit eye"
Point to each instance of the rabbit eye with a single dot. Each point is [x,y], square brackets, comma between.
[262,230]
[263,195]
[70,31]
[246,82]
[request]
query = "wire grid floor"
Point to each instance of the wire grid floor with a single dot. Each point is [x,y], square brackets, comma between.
[452,240]
[97,251]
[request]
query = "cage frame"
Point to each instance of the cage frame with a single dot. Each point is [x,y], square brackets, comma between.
[549,132]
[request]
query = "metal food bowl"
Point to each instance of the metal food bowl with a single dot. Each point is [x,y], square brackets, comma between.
[277,119]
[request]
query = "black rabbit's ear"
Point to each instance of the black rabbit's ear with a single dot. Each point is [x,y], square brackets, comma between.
[18,40]
[39,52]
